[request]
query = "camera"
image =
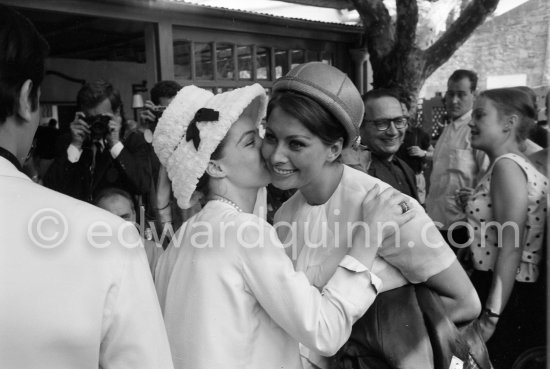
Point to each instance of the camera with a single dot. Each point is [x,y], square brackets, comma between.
[99,126]
[157,111]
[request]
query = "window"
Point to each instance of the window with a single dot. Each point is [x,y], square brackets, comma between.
[263,63]
[245,62]
[297,57]
[281,63]
[326,57]
[312,55]
[182,59]
[203,61]
[224,61]
[214,62]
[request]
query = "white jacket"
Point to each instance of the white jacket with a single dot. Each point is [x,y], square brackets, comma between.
[74,293]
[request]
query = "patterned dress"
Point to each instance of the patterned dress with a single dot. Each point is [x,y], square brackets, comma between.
[521,325]
[485,245]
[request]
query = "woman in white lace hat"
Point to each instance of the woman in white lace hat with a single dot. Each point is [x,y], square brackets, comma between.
[229,294]
[314,113]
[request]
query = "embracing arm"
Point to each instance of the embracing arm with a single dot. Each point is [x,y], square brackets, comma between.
[421,254]
[457,293]
[321,321]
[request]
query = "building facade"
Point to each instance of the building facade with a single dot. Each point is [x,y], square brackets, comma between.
[508,50]
[135,43]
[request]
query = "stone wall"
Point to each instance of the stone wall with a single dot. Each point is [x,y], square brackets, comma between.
[517,42]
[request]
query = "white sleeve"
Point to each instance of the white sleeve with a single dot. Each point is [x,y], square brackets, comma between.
[133,332]
[417,248]
[116,149]
[320,321]
[73,154]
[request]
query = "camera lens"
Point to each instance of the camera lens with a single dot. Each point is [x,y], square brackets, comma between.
[99,126]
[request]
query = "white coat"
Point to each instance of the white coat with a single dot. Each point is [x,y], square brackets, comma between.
[71,295]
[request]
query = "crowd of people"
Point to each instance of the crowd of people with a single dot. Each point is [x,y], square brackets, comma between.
[155,244]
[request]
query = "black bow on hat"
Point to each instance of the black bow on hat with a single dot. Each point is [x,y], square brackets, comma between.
[202,115]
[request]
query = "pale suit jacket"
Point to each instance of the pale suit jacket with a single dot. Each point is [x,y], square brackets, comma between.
[75,289]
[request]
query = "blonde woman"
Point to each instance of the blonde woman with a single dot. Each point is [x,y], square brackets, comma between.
[507,213]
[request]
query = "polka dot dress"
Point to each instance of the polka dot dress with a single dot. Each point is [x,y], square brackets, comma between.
[479,212]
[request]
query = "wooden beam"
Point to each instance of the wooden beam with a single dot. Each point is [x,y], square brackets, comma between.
[196,16]
[151,54]
[334,4]
[166,50]
[100,48]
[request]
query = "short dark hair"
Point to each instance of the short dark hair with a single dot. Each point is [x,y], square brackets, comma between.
[510,101]
[166,89]
[22,54]
[460,74]
[396,93]
[93,93]
[311,114]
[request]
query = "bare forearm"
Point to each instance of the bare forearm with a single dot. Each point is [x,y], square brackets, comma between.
[461,310]
[503,278]
[457,293]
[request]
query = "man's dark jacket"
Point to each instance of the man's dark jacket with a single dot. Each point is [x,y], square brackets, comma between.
[409,175]
[130,171]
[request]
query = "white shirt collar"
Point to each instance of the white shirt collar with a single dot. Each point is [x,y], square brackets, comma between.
[464,119]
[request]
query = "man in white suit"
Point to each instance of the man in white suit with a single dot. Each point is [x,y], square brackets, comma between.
[75,288]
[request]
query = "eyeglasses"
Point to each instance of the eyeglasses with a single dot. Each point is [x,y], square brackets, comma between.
[384,124]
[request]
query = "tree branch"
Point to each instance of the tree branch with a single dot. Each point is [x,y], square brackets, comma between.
[378,28]
[472,16]
[405,27]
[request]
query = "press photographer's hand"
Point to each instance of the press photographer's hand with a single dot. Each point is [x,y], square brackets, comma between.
[146,115]
[115,124]
[80,131]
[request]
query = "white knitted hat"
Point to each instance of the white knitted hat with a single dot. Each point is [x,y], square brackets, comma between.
[185,151]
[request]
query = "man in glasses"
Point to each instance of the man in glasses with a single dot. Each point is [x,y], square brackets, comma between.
[382,133]
[456,165]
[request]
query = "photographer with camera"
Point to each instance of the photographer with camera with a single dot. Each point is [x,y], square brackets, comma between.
[101,153]
[167,212]
[161,201]
[162,94]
